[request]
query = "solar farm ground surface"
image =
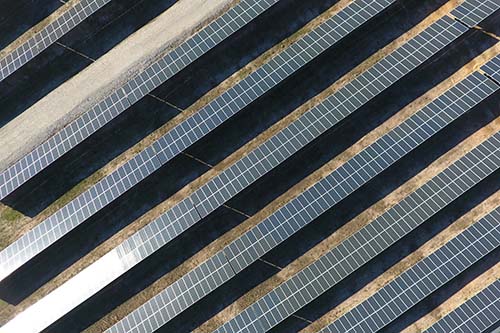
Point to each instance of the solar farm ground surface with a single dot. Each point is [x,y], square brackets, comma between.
[193,87]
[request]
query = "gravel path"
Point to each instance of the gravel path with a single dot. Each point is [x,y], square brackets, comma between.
[71,99]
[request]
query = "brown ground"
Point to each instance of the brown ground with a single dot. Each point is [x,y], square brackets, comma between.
[467,292]
[36,28]
[357,222]
[13,224]
[104,76]
[426,249]
[222,241]
[351,227]
[16,224]
[24,224]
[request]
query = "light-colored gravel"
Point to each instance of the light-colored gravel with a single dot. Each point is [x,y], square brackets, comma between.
[75,96]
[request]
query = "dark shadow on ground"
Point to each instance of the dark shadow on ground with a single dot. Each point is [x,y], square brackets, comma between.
[93,37]
[134,203]
[141,276]
[16,17]
[404,247]
[146,116]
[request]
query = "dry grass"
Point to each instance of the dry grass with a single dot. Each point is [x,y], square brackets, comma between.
[37,28]
[377,208]
[467,292]
[160,284]
[422,252]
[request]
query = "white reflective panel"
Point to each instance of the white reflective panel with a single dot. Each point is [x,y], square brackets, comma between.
[63,299]
[82,207]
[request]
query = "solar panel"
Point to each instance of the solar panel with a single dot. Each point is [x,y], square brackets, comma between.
[476,315]
[149,160]
[114,104]
[369,241]
[422,279]
[472,12]
[48,35]
[175,214]
[163,307]
[492,68]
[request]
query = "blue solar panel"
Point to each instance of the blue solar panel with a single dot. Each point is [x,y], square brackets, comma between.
[472,12]
[472,90]
[150,159]
[363,245]
[476,314]
[492,68]
[422,279]
[46,36]
[114,104]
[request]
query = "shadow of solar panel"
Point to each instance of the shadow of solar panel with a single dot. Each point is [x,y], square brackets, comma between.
[425,277]
[477,314]
[228,183]
[109,188]
[149,160]
[114,104]
[48,35]
[374,238]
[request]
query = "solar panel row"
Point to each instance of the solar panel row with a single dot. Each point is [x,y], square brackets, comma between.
[204,278]
[422,279]
[472,12]
[111,106]
[476,315]
[149,160]
[48,35]
[369,241]
[171,306]
[184,212]
[220,258]
[126,176]
[492,68]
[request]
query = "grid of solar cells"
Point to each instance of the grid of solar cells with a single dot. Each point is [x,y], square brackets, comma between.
[278,148]
[146,162]
[267,76]
[475,315]
[361,246]
[315,200]
[117,102]
[181,294]
[492,68]
[48,35]
[173,300]
[422,279]
[472,12]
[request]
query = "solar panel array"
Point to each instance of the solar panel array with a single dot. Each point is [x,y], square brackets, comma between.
[150,159]
[476,315]
[117,102]
[290,218]
[141,245]
[472,12]
[369,241]
[204,279]
[48,35]
[492,68]
[422,279]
